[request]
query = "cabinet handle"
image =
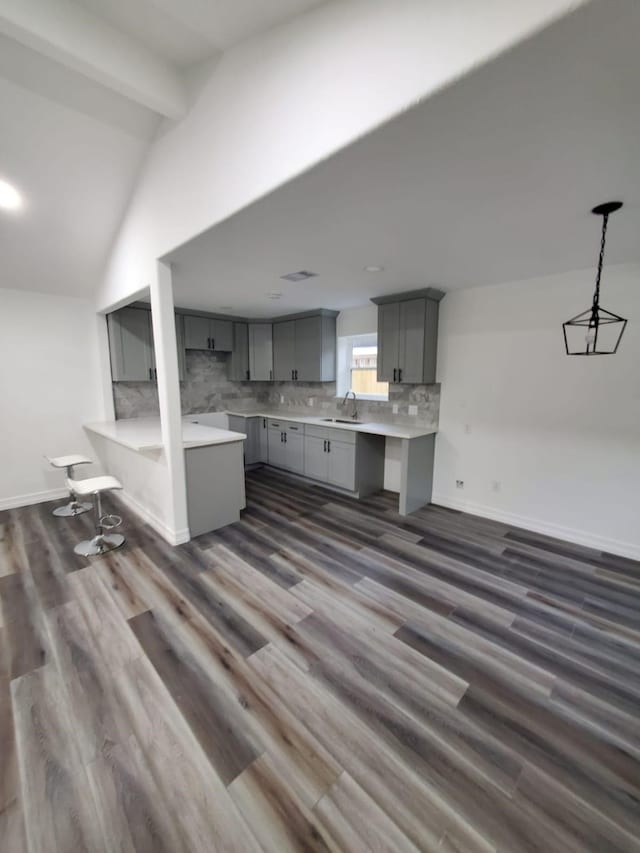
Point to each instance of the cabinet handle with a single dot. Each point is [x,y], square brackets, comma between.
[270,375]
[399,374]
[296,375]
[292,376]
[325,445]
[213,343]
[394,374]
[329,446]
[208,343]
[150,373]
[285,438]
[155,373]
[248,375]
[264,423]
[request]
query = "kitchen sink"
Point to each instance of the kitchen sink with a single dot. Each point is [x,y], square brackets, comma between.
[341,421]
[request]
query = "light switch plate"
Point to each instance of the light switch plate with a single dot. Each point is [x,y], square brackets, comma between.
[413,410]
[395,409]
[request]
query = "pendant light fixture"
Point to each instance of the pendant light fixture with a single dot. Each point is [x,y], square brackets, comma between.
[596,331]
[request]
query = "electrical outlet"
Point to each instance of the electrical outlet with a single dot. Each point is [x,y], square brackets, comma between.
[282,398]
[413,410]
[310,401]
[495,485]
[459,484]
[395,409]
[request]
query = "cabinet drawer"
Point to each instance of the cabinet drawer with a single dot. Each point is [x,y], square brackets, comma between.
[345,435]
[287,426]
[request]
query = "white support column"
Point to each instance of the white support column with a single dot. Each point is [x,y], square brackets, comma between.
[166,353]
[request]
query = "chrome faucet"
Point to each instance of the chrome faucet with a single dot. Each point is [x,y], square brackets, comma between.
[354,414]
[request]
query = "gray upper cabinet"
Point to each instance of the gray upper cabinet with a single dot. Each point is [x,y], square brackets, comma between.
[284,350]
[131,345]
[208,333]
[408,336]
[239,361]
[388,341]
[260,352]
[304,349]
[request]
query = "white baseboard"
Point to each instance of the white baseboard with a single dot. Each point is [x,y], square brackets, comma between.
[33,498]
[173,537]
[578,537]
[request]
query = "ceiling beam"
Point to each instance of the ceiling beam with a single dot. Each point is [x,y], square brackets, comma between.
[84,42]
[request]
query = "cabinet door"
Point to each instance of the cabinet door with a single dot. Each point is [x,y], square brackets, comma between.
[411,341]
[260,352]
[284,344]
[316,459]
[239,361]
[252,444]
[131,345]
[308,357]
[342,464]
[294,451]
[222,335]
[263,440]
[388,346]
[276,448]
[197,332]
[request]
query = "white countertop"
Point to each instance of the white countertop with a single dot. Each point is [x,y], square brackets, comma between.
[372,428]
[145,433]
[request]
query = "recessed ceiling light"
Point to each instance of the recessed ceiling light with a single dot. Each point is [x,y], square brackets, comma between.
[301,275]
[373,268]
[274,295]
[10,198]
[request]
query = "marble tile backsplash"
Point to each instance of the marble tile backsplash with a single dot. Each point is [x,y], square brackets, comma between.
[207,389]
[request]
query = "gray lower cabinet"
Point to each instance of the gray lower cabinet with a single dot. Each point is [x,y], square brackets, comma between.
[349,460]
[251,428]
[263,440]
[260,352]
[286,445]
[330,456]
[304,349]
[208,333]
[239,359]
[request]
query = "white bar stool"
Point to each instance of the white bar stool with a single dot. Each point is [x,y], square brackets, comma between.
[74,507]
[101,542]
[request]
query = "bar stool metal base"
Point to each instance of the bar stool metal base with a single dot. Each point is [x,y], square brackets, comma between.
[72,509]
[101,544]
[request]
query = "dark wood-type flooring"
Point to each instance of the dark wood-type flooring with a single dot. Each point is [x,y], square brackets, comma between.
[323,675]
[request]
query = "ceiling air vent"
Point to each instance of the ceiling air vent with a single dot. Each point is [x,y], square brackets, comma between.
[301,275]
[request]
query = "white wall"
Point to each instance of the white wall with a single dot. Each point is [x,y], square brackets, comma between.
[278,104]
[560,435]
[49,386]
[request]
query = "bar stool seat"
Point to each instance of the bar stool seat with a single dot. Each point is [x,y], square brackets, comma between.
[74,507]
[102,542]
[92,485]
[69,461]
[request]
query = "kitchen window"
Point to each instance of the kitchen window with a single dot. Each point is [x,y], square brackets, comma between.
[358,368]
